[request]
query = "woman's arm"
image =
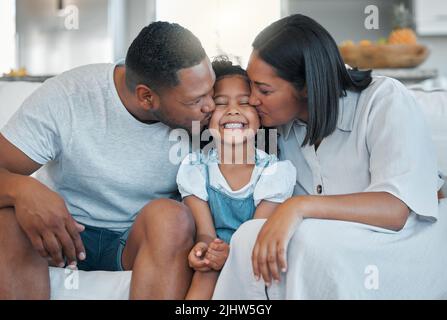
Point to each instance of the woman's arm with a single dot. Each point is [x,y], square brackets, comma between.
[375,208]
[380,209]
[265,209]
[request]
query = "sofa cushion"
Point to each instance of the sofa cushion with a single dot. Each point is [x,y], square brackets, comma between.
[67,284]
[115,285]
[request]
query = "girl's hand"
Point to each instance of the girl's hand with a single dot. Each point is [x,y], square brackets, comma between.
[270,251]
[196,257]
[217,254]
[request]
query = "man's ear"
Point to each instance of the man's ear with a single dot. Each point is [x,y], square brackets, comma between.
[147,98]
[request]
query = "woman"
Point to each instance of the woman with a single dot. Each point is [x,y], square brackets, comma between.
[363,221]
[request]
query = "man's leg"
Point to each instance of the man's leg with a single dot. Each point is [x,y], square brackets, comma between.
[157,251]
[23,272]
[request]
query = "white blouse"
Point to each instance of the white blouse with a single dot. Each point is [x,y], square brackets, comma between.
[381,144]
[274,183]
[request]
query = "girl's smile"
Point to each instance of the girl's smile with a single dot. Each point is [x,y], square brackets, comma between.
[234,119]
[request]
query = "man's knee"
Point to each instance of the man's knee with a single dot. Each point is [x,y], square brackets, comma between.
[168,219]
[16,248]
[12,238]
[7,217]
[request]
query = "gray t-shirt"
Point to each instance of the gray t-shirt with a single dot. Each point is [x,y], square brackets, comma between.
[105,164]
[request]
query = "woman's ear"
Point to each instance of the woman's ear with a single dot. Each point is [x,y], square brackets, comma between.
[146,97]
[303,93]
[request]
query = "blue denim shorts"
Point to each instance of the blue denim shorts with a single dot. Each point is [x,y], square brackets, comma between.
[104,249]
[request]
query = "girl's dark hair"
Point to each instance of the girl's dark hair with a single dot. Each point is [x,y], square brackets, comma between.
[304,53]
[222,67]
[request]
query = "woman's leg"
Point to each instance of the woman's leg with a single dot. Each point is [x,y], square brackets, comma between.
[329,259]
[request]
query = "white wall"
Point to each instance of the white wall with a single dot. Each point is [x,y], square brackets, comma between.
[47,46]
[438,51]
[223,26]
[7,36]
[106,29]
[139,14]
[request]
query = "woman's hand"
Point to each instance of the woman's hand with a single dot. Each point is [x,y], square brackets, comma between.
[217,254]
[196,257]
[270,250]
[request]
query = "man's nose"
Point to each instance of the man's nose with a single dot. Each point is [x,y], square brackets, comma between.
[209,105]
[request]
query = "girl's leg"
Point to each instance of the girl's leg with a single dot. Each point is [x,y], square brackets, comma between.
[202,285]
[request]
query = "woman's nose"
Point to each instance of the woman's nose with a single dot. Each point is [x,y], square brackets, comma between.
[253,100]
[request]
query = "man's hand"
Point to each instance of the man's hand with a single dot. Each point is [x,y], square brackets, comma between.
[217,254]
[44,218]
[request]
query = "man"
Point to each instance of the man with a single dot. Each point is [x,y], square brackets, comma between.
[104,199]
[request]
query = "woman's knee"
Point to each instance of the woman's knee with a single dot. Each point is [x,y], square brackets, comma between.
[245,236]
[317,238]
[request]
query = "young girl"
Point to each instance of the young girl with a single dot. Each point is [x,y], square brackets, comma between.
[232,182]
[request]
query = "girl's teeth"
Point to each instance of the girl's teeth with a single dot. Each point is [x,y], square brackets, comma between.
[233,126]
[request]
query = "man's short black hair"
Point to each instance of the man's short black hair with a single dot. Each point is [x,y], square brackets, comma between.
[159,51]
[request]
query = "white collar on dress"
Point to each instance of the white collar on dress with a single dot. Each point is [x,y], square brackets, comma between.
[212,157]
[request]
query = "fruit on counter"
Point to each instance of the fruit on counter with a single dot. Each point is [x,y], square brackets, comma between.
[382,41]
[402,36]
[365,43]
[21,72]
[399,50]
[347,43]
[402,32]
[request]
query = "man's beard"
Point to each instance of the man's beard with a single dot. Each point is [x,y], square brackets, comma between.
[167,120]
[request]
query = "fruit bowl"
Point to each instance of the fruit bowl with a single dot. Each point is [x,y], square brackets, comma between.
[374,56]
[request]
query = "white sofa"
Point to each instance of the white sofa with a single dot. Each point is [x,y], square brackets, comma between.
[115,285]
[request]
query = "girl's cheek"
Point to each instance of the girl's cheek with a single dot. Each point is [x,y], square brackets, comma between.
[214,121]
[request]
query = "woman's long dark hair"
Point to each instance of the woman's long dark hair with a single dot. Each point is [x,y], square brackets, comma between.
[304,53]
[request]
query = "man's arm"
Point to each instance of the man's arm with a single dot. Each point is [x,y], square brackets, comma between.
[14,167]
[40,212]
